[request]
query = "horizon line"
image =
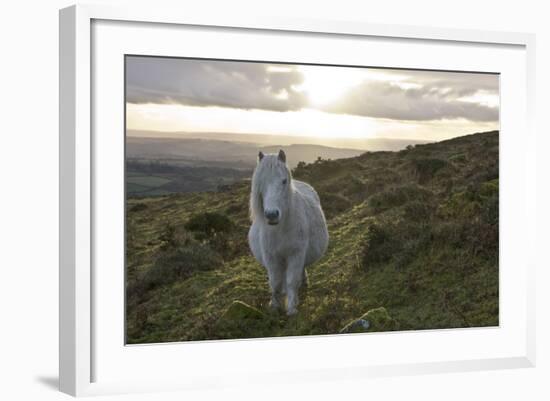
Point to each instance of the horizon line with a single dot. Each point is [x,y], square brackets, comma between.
[283,135]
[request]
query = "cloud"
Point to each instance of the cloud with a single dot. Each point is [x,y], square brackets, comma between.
[421,96]
[393,94]
[386,100]
[462,83]
[213,83]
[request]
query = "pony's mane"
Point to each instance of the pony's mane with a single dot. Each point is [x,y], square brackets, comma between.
[266,165]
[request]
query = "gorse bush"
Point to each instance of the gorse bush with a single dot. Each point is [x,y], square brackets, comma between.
[379,245]
[219,232]
[209,223]
[397,196]
[373,186]
[180,263]
[138,207]
[458,158]
[173,237]
[475,213]
[490,207]
[426,168]
[477,200]
[354,185]
[333,204]
[467,220]
[394,243]
[418,211]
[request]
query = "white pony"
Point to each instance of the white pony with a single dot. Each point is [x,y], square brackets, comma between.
[288,231]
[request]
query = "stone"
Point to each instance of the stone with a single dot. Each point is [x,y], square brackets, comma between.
[374,320]
[238,310]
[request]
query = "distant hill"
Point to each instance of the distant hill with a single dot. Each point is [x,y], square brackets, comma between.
[158,166]
[364,144]
[194,151]
[413,233]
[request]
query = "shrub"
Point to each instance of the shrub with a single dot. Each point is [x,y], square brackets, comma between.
[374,185]
[138,207]
[395,243]
[384,175]
[476,200]
[353,184]
[458,158]
[397,196]
[179,263]
[487,173]
[333,204]
[409,249]
[426,168]
[219,233]
[471,220]
[236,208]
[378,245]
[172,237]
[209,223]
[490,205]
[417,211]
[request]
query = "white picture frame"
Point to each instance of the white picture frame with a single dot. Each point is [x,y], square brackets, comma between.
[80,349]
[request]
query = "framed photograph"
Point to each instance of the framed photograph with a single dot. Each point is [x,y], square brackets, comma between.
[275,200]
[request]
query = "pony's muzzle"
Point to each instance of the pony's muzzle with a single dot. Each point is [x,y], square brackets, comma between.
[272,216]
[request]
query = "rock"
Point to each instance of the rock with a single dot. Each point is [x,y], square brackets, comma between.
[374,320]
[238,310]
[356,326]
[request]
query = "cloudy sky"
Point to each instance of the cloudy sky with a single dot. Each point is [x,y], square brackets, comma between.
[169,94]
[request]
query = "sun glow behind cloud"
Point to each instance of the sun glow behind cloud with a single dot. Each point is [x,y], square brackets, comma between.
[482,97]
[324,85]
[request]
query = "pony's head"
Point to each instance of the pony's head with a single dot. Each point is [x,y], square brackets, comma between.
[271,188]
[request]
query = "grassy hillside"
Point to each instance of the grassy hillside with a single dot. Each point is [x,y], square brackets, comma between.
[413,245]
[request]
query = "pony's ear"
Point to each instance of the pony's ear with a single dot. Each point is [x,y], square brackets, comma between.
[260,156]
[282,156]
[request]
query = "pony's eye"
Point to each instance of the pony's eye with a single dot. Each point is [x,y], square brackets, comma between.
[284,181]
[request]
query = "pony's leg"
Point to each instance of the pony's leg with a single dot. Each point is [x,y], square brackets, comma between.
[305,279]
[294,277]
[276,283]
[302,291]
